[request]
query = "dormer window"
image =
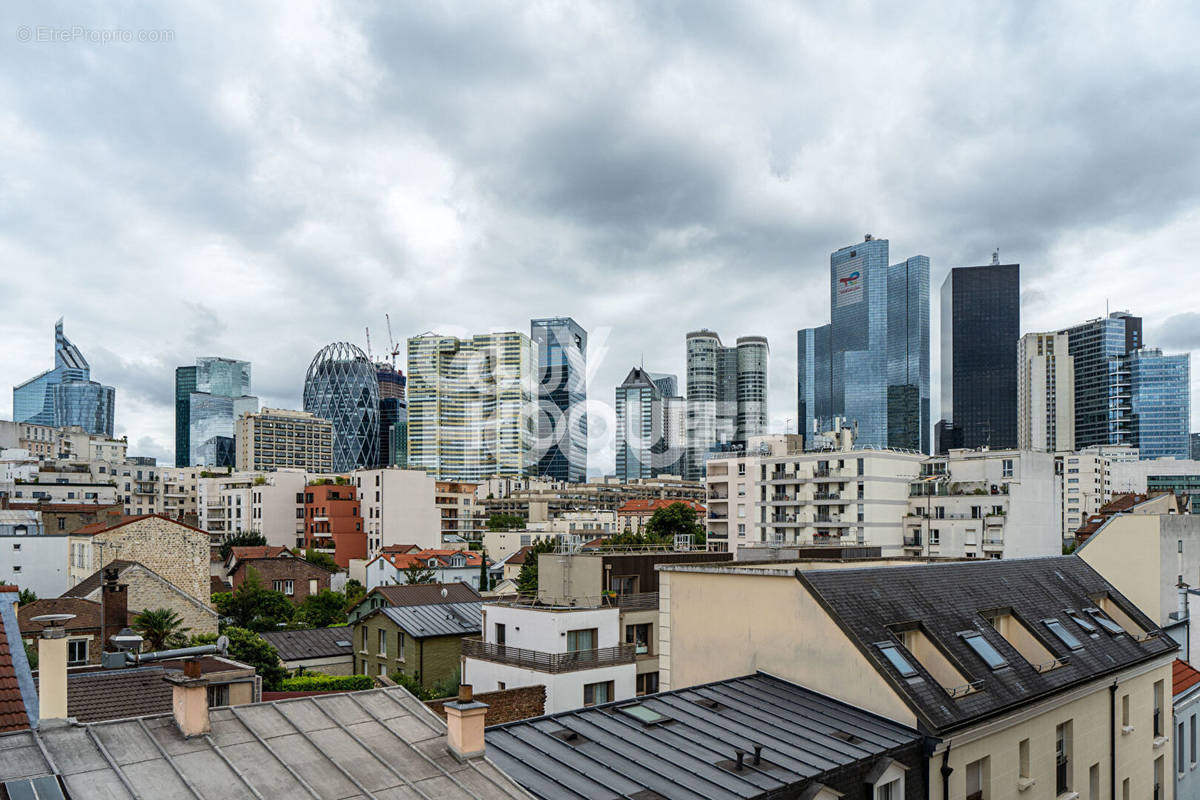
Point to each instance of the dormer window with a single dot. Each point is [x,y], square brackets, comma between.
[984,649]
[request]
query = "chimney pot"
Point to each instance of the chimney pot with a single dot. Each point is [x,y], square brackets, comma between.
[464,724]
[741,758]
[465,693]
[189,701]
[191,668]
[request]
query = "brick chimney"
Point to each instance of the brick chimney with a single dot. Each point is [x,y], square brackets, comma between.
[115,602]
[464,724]
[189,699]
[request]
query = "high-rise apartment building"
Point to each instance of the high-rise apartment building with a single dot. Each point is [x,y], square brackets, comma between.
[651,426]
[1161,403]
[472,405]
[726,394]
[342,386]
[562,398]
[1045,393]
[870,365]
[209,397]
[66,395]
[275,438]
[981,323]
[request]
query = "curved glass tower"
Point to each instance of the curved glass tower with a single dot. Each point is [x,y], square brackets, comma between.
[65,395]
[341,386]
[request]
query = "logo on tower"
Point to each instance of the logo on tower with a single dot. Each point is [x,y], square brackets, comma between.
[848,283]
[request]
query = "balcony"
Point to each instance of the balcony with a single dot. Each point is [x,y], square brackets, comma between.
[993,543]
[826,496]
[717,515]
[912,540]
[474,647]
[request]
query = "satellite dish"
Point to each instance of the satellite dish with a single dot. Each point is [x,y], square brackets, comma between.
[444,593]
[51,619]
[223,644]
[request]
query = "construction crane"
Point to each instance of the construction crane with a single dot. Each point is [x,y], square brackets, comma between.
[392,340]
[370,357]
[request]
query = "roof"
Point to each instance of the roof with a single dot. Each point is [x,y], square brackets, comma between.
[873,604]
[378,743]
[94,581]
[257,551]
[650,506]
[21,517]
[311,643]
[439,619]
[18,695]
[423,557]
[518,558]
[87,613]
[804,737]
[117,522]
[399,548]
[1183,676]
[424,594]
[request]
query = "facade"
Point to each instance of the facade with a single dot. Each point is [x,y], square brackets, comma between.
[423,642]
[1185,709]
[333,523]
[342,386]
[393,416]
[31,557]
[65,395]
[279,569]
[417,594]
[649,439]
[274,439]
[726,394]
[1045,393]
[1161,404]
[147,588]
[1099,347]
[177,552]
[870,365]
[1088,482]
[446,566]
[562,398]
[218,393]
[981,323]
[472,405]
[398,506]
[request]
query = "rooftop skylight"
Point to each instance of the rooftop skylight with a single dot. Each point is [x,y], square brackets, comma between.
[1064,635]
[1079,620]
[1103,621]
[897,659]
[984,649]
[643,714]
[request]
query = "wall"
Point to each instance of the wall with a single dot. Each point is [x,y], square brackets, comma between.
[299,571]
[398,508]
[40,563]
[564,690]
[1126,552]
[1186,709]
[546,631]
[508,705]
[433,659]
[147,590]
[176,552]
[331,665]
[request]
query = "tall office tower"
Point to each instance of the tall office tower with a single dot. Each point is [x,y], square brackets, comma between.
[472,410]
[869,366]
[274,439]
[981,323]
[65,395]
[209,397]
[562,398]
[1045,393]
[649,421]
[1161,403]
[1196,447]
[342,386]
[1103,409]
[726,394]
[393,414]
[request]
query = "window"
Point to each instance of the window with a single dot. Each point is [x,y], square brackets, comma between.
[639,637]
[1192,725]
[1062,758]
[1125,711]
[1158,777]
[62,523]
[935,536]
[1006,468]
[1158,709]
[1179,742]
[77,652]
[287,587]
[1103,621]
[501,632]
[1064,635]
[984,649]
[583,639]
[218,695]
[1023,759]
[647,683]
[383,644]
[891,789]
[977,779]
[897,659]
[312,585]
[1094,782]
[364,640]
[17,546]
[597,693]
[1079,620]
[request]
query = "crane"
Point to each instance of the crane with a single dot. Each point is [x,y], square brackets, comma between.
[392,340]
[370,357]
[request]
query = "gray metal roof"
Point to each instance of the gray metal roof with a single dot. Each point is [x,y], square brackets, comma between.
[442,619]
[311,643]
[604,752]
[376,744]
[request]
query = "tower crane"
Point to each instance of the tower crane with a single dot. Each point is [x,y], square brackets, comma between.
[392,340]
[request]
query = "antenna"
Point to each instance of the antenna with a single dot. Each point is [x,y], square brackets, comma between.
[369,356]
[996,257]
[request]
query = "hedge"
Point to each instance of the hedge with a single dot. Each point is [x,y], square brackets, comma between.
[327,683]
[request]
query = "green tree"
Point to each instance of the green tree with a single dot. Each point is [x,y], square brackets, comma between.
[323,560]
[413,685]
[505,522]
[26,597]
[668,521]
[322,609]
[243,539]
[527,578]
[160,627]
[354,592]
[251,649]
[485,580]
[419,573]
[252,605]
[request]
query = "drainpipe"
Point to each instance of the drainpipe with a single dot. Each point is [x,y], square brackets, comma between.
[1112,740]
[946,770]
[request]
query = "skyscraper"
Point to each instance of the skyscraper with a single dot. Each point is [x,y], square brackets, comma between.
[209,397]
[393,416]
[726,394]
[342,386]
[185,384]
[1045,393]
[650,426]
[562,398]
[1099,347]
[981,323]
[472,405]
[869,366]
[65,395]
[1160,401]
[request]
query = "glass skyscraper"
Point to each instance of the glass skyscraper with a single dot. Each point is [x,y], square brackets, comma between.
[869,367]
[562,398]
[650,426]
[393,412]
[342,386]
[65,395]
[1161,402]
[209,397]
[981,325]
[726,394]
[1100,348]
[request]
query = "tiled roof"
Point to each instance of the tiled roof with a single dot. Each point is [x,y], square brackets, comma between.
[100,527]
[650,506]
[94,581]
[257,551]
[438,619]
[311,643]
[688,750]
[424,594]
[871,605]
[1183,676]
[18,696]
[518,558]
[423,557]
[87,613]
[399,548]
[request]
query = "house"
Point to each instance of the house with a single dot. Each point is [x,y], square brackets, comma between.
[754,736]
[1121,504]
[418,594]
[1185,694]
[448,566]
[148,589]
[633,515]
[324,650]
[1030,673]
[30,556]
[279,569]
[177,552]
[421,641]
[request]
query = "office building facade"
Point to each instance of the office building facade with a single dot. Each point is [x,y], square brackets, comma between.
[209,397]
[869,367]
[981,323]
[726,394]
[562,398]
[472,405]
[651,426]
[66,395]
[393,415]
[275,438]
[1160,403]
[341,386]
[1045,393]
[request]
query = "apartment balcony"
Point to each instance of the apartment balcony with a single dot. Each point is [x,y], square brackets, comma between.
[633,602]
[539,661]
[718,496]
[717,515]
[827,497]
[912,540]
[782,498]
[993,543]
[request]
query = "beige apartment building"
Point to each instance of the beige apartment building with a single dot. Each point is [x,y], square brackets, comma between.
[1045,393]
[275,438]
[398,507]
[1029,675]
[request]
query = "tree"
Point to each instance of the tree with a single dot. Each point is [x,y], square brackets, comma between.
[26,597]
[251,649]
[527,578]
[322,609]
[412,685]
[668,521]
[419,573]
[505,522]
[485,581]
[355,592]
[243,539]
[252,605]
[160,627]
[323,560]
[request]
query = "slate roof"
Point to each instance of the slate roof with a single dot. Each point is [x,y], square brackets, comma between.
[381,743]
[869,604]
[311,643]
[94,581]
[425,594]
[440,619]
[805,736]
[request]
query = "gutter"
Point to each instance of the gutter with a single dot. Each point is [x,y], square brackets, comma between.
[1112,739]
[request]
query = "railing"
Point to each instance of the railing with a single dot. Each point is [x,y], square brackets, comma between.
[993,541]
[912,541]
[548,662]
[633,601]
[827,496]
[715,515]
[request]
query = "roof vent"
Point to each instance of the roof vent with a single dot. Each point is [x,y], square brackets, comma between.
[846,736]
[570,737]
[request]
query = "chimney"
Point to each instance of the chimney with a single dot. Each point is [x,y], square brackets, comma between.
[52,666]
[115,602]
[189,699]
[464,724]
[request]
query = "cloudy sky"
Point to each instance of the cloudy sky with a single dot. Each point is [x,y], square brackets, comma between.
[262,180]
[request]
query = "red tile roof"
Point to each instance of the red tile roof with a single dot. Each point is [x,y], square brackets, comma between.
[650,506]
[518,558]
[257,551]
[1183,676]
[400,548]
[422,558]
[13,716]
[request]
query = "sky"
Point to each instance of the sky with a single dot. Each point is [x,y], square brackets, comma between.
[255,181]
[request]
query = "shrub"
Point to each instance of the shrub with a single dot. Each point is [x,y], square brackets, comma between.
[327,683]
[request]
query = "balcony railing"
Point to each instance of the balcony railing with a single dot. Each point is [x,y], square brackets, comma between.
[912,541]
[475,647]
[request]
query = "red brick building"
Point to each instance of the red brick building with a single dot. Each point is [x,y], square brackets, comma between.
[279,569]
[333,522]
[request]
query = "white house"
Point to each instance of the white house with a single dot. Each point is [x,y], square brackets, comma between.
[448,566]
[31,559]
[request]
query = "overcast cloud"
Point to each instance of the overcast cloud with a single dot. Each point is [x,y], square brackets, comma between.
[274,178]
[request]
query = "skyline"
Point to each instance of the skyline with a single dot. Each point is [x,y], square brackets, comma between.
[338,167]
